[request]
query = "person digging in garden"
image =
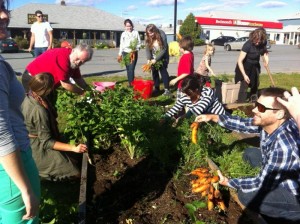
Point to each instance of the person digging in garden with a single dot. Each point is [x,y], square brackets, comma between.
[62,64]
[197,98]
[50,155]
[275,191]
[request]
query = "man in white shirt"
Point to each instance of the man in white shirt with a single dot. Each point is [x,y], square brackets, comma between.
[41,35]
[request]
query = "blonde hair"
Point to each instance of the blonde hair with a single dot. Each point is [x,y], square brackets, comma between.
[209,46]
[41,84]
[150,40]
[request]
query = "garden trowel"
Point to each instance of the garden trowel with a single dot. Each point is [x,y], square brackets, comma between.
[212,164]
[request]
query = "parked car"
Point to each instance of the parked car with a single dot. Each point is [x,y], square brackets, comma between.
[8,45]
[236,44]
[221,40]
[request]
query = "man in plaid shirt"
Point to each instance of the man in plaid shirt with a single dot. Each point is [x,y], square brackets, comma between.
[275,191]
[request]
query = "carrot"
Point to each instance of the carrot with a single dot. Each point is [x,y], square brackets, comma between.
[201,188]
[217,194]
[194,132]
[200,174]
[132,56]
[221,204]
[210,205]
[202,170]
[146,67]
[215,179]
[204,193]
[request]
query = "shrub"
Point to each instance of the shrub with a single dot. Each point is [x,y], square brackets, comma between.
[199,42]
[22,43]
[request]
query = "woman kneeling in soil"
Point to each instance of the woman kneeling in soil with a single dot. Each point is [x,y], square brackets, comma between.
[40,119]
[197,98]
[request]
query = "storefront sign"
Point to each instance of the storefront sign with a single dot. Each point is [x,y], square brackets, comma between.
[236,22]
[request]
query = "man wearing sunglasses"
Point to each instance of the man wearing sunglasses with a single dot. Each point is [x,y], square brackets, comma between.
[275,191]
[41,35]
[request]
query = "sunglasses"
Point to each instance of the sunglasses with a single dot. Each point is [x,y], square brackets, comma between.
[261,108]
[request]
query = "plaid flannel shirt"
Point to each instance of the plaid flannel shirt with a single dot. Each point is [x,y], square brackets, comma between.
[280,156]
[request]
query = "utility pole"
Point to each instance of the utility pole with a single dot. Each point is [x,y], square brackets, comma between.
[175,19]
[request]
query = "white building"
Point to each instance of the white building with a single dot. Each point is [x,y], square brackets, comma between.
[224,23]
[291,29]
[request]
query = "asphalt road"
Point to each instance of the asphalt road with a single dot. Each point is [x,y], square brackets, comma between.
[283,58]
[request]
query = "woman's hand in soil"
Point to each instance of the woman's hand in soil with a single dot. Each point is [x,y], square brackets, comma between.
[207,118]
[223,180]
[292,103]
[81,148]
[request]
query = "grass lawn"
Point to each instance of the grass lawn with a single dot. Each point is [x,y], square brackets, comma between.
[280,79]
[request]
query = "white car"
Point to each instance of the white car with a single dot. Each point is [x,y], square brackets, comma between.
[238,44]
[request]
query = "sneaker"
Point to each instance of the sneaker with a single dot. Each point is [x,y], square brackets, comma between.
[167,93]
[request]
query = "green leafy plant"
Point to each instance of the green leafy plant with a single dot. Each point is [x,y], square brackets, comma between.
[126,60]
[192,208]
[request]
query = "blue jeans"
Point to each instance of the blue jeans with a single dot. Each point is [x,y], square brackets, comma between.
[278,203]
[39,50]
[164,75]
[130,67]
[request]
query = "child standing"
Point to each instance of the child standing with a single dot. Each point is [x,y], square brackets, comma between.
[204,66]
[186,63]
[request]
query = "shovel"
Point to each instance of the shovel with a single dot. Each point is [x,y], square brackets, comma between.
[269,73]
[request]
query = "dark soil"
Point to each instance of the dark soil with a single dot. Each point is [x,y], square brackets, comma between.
[142,191]
[121,190]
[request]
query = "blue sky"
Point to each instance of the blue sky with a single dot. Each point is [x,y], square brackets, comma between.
[162,11]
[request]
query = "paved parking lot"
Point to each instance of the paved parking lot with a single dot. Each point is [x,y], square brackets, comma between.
[283,58]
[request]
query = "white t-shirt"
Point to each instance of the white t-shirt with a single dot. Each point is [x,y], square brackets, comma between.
[40,31]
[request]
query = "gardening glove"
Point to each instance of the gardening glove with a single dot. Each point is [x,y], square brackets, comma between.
[119,58]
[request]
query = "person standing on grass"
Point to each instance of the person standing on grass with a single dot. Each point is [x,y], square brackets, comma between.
[186,63]
[275,191]
[248,67]
[41,35]
[130,43]
[204,67]
[49,153]
[19,180]
[157,52]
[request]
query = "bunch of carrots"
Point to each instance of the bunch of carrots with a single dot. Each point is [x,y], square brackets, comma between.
[207,186]
[146,67]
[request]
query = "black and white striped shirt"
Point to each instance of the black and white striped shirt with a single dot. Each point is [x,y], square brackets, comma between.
[207,104]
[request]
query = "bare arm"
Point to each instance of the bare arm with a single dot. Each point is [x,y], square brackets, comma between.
[207,118]
[60,146]
[13,166]
[241,66]
[71,87]
[32,40]
[50,39]
[209,68]
[81,83]
[178,78]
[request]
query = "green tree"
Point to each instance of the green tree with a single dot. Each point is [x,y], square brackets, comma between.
[190,27]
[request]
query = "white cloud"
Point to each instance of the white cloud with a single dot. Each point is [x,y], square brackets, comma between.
[205,8]
[272,4]
[131,8]
[161,2]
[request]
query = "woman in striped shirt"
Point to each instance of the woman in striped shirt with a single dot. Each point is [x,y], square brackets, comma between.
[197,99]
